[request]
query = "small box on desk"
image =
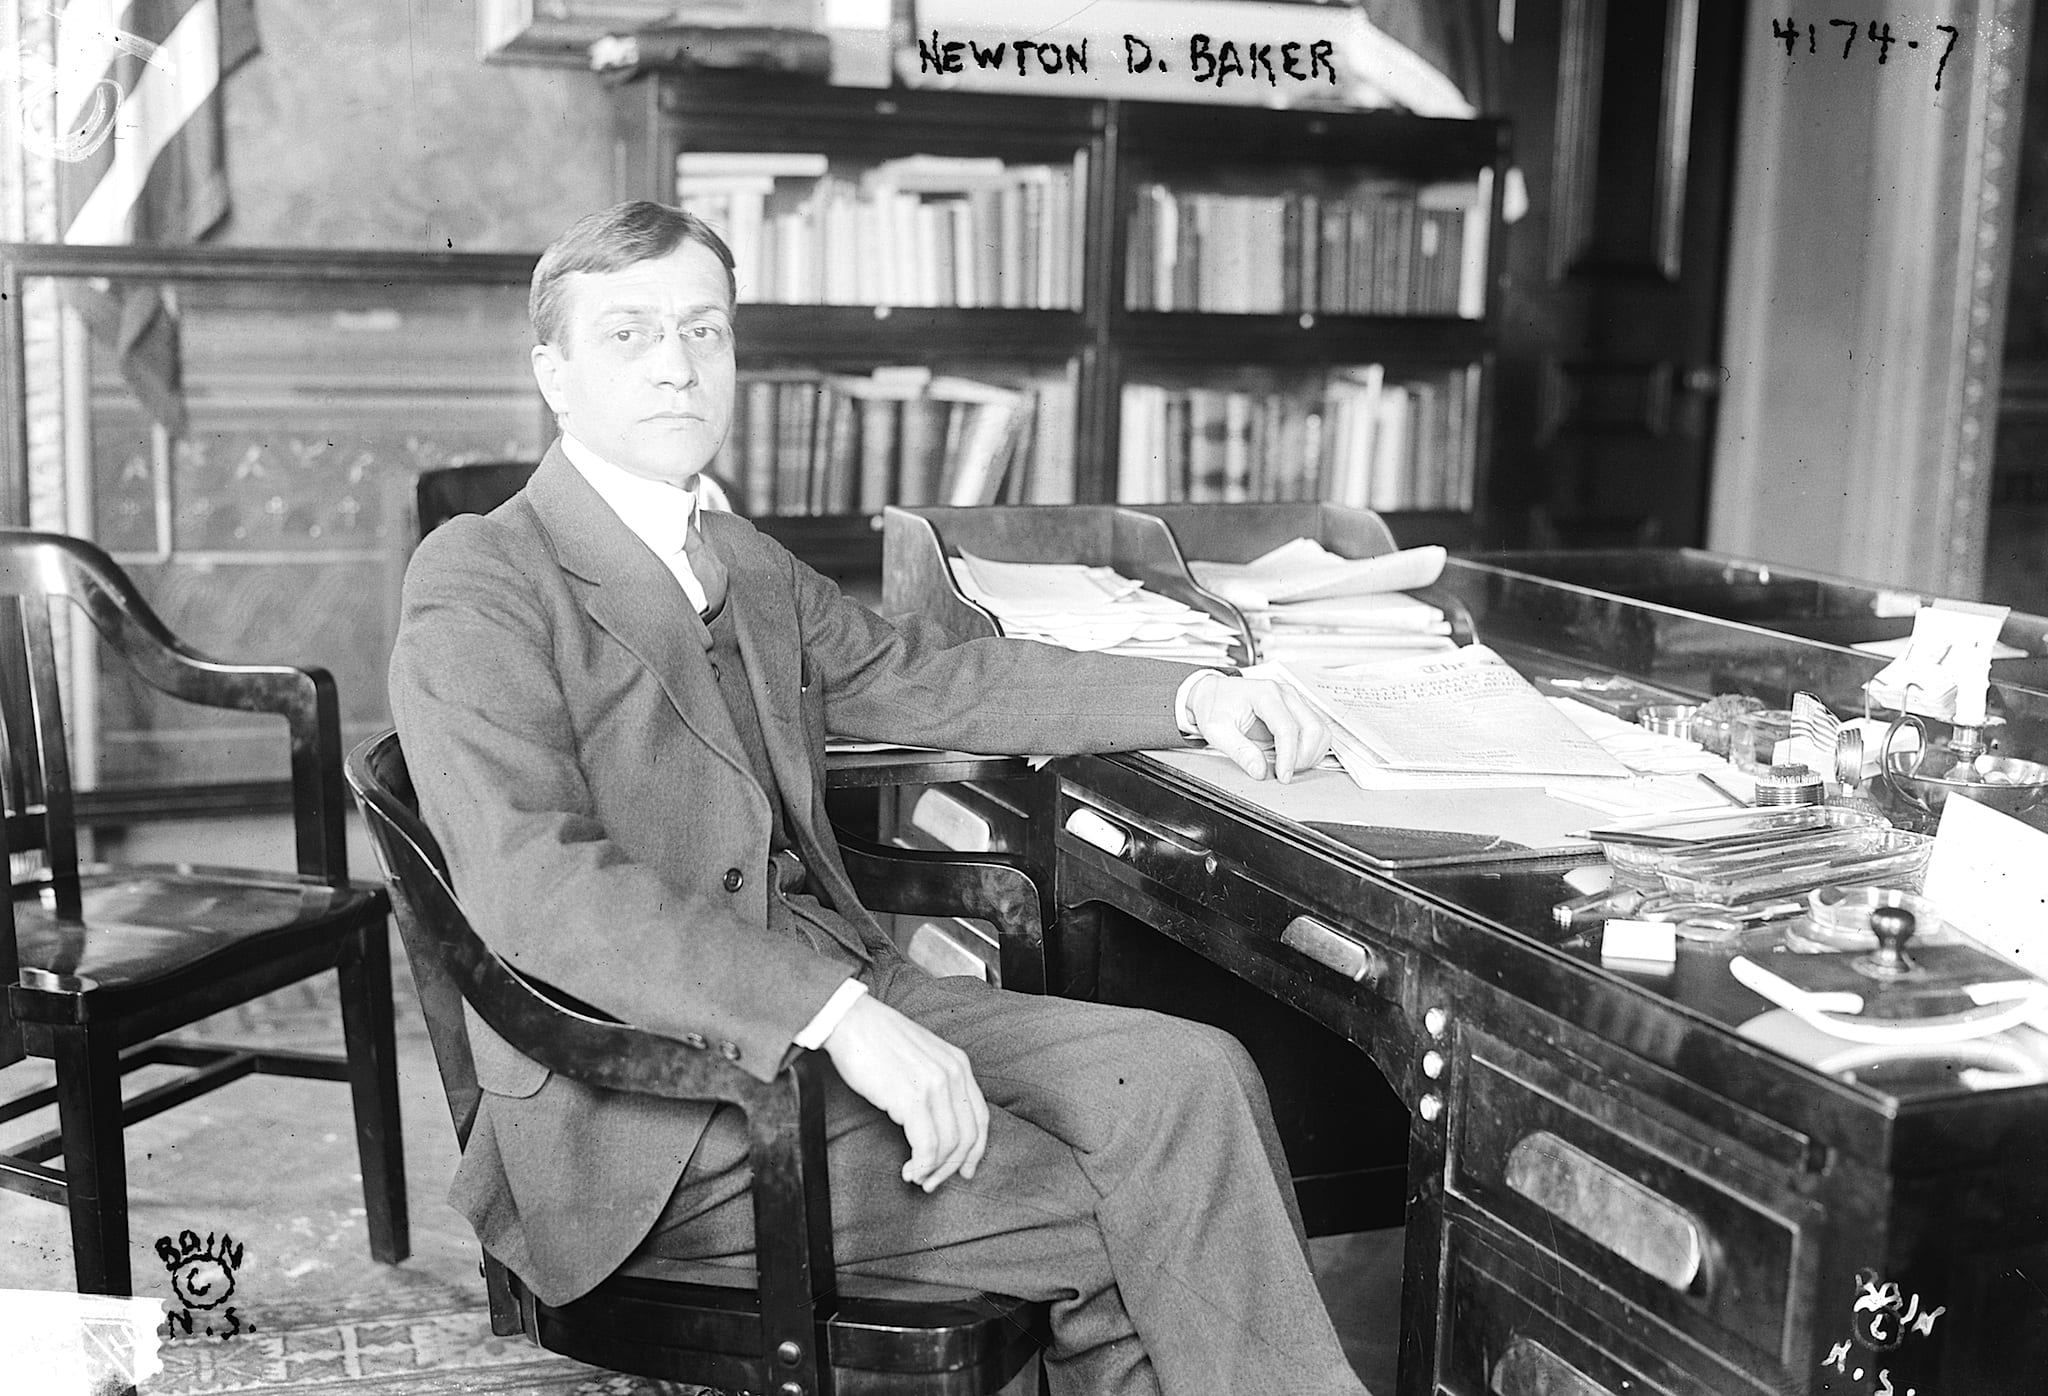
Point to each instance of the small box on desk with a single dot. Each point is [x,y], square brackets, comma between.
[1150,543]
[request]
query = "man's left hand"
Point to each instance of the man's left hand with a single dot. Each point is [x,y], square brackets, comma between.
[1265,727]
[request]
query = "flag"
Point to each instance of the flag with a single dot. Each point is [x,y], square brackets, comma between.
[148,73]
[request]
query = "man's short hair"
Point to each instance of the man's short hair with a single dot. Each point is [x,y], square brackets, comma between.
[639,230]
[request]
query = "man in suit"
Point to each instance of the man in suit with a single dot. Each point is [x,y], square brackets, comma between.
[614,705]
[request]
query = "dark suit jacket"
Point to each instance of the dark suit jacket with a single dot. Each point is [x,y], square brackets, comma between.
[573,756]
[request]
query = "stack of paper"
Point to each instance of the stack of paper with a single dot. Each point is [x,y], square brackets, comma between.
[1091,608]
[1307,604]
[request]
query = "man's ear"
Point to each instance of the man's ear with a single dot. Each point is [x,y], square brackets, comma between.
[548,369]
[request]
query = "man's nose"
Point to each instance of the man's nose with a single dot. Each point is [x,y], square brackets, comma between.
[671,363]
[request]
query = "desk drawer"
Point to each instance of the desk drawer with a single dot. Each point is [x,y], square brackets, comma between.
[1509,1330]
[1651,1204]
[1227,899]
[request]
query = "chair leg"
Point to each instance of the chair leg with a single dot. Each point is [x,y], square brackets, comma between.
[95,1160]
[373,1082]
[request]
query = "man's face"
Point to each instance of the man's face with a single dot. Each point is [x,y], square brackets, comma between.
[643,374]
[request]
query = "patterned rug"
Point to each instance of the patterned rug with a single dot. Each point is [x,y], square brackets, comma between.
[369,1347]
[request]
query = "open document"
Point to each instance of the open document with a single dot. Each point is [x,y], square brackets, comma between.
[1464,711]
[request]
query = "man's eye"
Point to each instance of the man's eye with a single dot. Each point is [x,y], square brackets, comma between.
[706,332]
[628,334]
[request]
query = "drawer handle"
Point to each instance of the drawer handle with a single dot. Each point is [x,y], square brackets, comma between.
[1327,945]
[1091,828]
[1528,1368]
[1647,1230]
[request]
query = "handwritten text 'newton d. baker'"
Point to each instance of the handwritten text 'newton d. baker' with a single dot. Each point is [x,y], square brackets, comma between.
[1207,60]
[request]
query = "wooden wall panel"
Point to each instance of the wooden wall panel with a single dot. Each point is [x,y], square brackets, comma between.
[372,123]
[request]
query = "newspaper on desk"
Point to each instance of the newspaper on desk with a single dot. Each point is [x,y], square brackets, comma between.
[1464,711]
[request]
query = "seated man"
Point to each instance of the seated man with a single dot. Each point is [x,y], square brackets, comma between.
[614,705]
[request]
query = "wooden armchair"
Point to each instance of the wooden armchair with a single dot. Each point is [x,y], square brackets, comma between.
[797,1330]
[445,491]
[99,962]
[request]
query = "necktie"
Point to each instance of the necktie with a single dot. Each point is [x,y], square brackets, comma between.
[705,563]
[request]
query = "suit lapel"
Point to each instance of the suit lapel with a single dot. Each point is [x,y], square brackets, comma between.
[627,590]
[774,658]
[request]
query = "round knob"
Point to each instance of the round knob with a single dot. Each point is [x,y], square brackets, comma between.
[1429,1107]
[1434,1021]
[1893,927]
[1432,1064]
[788,1354]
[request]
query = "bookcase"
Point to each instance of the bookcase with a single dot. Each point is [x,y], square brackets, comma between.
[953,298]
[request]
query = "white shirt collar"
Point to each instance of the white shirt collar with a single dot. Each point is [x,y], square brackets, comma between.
[659,514]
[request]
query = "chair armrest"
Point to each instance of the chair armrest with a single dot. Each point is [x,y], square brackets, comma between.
[303,696]
[994,887]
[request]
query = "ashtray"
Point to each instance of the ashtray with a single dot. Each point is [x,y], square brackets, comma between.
[1667,719]
[1838,918]
[2005,783]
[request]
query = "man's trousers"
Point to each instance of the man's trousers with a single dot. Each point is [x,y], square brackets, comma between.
[1133,1178]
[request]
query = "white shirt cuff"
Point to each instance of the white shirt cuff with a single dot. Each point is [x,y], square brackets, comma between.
[1181,713]
[827,1018]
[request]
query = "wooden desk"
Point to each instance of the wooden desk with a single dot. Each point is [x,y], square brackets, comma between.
[1609,1189]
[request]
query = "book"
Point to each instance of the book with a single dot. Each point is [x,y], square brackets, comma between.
[763,436]
[754,163]
[921,451]
[836,451]
[1208,429]
[987,420]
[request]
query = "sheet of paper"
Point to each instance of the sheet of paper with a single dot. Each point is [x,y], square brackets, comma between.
[1984,877]
[1304,570]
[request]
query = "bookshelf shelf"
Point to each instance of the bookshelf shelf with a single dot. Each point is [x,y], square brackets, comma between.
[688,136]
[1147,336]
[843,334]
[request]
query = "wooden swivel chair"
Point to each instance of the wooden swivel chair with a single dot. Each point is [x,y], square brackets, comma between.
[98,962]
[442,493]
[796,1330]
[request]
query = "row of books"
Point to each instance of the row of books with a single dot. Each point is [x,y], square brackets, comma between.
[805,442]
[1378,249]
[1361,439]
[923,230]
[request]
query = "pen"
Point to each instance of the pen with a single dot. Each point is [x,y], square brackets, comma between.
[1595,906]
[1719,789]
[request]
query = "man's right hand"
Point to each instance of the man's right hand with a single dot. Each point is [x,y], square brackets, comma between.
[921,1081]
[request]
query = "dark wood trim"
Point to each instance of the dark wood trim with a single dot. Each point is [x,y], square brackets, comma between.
[215,262]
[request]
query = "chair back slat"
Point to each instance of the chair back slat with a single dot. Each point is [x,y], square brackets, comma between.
[20,773]
[414,868]
[39,813]
[59,830]
[11,1047]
